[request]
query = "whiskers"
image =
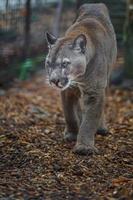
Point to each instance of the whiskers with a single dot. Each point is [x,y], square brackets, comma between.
[74,83]
[70,85]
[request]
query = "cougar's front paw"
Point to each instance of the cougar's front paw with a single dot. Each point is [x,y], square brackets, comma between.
[82,149]
[70,137]
[102,131]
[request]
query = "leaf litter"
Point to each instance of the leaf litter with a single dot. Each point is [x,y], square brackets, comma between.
[35,162]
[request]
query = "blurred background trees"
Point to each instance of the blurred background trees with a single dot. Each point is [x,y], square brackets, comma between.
[128,40]
[57,18]
[27,28]
[22,27]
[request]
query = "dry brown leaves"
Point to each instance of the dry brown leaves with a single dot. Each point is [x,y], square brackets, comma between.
[35,162]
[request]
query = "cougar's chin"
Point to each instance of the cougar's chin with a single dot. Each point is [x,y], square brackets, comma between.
[66,86]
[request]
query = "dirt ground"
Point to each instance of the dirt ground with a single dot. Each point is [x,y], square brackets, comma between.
[35,162]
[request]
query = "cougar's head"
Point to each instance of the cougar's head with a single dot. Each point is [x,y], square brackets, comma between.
[66,60]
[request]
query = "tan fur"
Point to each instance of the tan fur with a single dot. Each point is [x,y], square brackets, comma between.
[90,46]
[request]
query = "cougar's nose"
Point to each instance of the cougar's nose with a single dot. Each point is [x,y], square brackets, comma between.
[55,81]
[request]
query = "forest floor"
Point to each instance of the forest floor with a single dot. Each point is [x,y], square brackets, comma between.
[35,162]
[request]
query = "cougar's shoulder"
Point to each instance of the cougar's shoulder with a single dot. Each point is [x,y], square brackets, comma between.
[94,22]
[94,17]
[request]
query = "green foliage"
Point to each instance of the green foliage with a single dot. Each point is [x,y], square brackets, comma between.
[28,66]
[25,67]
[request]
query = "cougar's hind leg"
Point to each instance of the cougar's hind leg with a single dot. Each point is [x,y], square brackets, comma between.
[79,112]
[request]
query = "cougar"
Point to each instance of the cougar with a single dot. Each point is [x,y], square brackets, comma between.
[79,64]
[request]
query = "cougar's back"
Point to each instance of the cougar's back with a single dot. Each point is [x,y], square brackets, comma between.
[93,20]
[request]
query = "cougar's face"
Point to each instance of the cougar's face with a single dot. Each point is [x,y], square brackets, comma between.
[66,61]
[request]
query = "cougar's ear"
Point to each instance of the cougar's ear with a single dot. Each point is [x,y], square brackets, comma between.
[51,39]
[79,43]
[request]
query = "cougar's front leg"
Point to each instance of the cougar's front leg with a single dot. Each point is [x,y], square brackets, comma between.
[93,107]
[70,103]
[102,129]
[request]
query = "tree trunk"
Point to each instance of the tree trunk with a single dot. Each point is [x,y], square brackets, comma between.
[27,28]
[78,3]
[128,36]
[57,19]
[6,6]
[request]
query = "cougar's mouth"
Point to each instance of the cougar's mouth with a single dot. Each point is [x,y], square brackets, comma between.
[61,83]
[66,86]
